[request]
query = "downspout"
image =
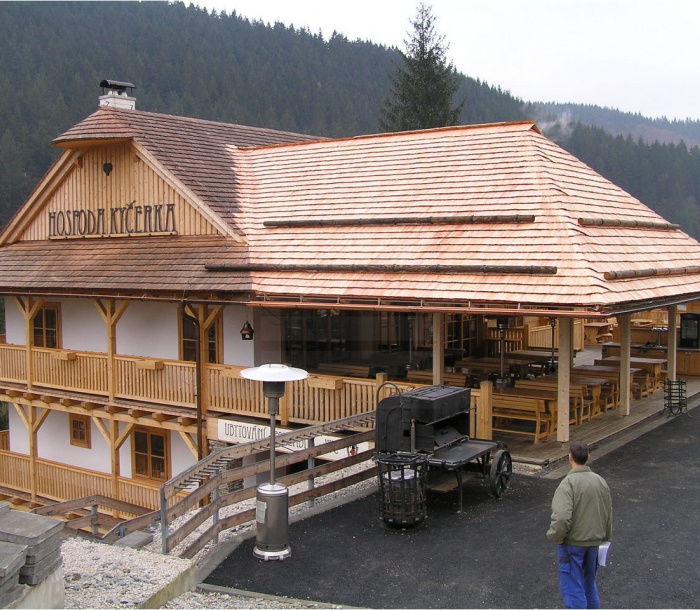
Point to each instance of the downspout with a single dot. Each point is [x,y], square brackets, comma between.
[198,379]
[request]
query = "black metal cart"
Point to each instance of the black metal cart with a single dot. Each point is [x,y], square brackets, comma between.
[484,459]
[427,430]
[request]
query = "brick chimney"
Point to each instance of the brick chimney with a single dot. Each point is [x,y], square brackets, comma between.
[117,94]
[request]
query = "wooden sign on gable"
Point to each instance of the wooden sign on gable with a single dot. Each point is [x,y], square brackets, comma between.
[111,192]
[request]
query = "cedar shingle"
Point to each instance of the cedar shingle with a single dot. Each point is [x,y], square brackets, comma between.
[249,176]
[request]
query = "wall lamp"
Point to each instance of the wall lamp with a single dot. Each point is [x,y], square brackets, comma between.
[247,332]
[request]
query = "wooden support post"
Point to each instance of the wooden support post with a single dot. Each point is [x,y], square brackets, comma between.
[484,412]
[625,324]
[438,348]
[564,378]
[29,309]
[32,422]
[111,314]
[672,340]
[381,378]
[204,318]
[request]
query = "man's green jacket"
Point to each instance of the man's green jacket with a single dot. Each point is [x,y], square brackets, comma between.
[581,509]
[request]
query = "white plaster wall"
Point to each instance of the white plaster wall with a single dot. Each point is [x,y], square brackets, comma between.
[82,326]
[149,330]
[19,437]
[181,457]
[14,323]
[236,351]
[268,336]
[266,346]
[53,443]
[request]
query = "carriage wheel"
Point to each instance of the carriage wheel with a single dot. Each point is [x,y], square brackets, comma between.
[500,473]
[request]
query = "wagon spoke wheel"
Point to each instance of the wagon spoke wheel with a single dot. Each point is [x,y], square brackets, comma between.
[500,473]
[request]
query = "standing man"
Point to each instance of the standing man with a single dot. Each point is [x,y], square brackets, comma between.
[581,520]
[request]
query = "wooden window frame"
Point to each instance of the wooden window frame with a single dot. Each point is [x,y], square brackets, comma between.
[42,312]
[218,328]
[166,445]
[74,418]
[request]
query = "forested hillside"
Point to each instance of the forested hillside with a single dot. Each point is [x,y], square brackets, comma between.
[187,61]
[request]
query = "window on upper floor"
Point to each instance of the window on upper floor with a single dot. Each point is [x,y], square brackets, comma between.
[47,326]
[188,340]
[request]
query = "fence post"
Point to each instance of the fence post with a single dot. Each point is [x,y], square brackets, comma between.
[95,525]
[484,411]
[214,498]
[311,463]
[164,520]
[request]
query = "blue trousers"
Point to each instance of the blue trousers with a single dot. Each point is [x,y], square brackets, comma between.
[577,570]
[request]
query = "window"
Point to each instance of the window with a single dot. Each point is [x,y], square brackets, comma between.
[188,343]
[46,327]
[79,430]
[150,458]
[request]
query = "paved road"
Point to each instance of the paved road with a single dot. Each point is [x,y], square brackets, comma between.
[494,554]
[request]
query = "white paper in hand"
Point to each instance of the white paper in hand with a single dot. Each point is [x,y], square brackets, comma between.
[603,553]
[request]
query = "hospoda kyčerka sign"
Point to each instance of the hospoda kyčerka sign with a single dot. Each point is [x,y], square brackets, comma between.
[130,219]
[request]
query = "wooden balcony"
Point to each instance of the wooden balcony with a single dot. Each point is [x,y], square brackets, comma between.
[172,383]
[58,482]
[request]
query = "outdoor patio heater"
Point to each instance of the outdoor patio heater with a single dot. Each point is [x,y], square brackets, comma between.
[272,505]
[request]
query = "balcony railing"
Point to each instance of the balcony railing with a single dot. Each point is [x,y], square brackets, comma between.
[319,399]
[59,482]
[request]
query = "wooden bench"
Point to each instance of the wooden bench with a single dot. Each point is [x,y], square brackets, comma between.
[455,379]
[344,370]
[523,408]
[580,403]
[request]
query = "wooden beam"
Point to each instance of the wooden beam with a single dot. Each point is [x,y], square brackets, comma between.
[68,402]
[38,421]
[123,436]
[191,444]
[137,413]
[89,406]
[114,409]
[162,416]
[100,425]
[187,421]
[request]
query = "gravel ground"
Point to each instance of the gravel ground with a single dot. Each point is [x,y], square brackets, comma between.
[98,575]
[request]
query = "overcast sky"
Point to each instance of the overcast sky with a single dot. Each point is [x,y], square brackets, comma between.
[632,55]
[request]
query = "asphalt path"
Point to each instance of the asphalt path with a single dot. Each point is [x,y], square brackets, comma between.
[495,554]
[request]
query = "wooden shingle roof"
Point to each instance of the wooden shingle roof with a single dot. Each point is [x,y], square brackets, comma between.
[196,151]
[502,197]
[493,216]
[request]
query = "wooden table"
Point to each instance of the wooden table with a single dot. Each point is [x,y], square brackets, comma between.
[654,366]
[611,373]
[493,365]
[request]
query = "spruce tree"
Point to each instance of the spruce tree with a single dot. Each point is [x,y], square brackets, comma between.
[422,91]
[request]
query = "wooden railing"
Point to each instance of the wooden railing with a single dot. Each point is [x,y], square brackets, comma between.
[209,516]
[541,336]
[13,363]
[70,370]
[170,382]
[60,482]
[320,398]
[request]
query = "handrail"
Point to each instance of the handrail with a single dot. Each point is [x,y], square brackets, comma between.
[210,468]
[170,487]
